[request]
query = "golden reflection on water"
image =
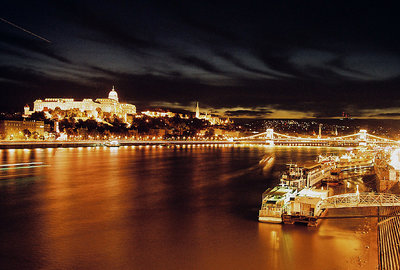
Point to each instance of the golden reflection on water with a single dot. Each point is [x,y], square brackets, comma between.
[183,207]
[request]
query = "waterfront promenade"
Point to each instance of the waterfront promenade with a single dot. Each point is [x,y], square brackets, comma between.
[93,143]
[389,238]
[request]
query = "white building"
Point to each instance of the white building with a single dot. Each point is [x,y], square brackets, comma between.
[159,114]
[92,108]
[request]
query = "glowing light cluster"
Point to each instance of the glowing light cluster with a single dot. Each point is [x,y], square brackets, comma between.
[394,159]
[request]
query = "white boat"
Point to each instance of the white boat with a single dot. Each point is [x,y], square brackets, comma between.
[113,143]
[306,176]
[266,161]
[274,203]
[355,160]
[278,201]
[318,172]
[305,208]
[295,177]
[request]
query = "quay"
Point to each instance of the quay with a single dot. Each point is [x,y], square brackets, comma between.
[96,143]
[389,238]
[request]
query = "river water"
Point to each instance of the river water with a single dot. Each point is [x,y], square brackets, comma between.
[186,207]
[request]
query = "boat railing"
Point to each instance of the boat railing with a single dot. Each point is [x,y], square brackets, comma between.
[303,213]
[268,212]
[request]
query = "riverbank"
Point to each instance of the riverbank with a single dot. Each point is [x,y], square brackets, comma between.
[94,143]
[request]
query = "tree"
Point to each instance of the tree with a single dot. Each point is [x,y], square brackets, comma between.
[35,135]
[99,113]
[38,116]
[210,132]
[27,133]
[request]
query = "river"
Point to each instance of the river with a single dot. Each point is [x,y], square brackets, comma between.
[185,207]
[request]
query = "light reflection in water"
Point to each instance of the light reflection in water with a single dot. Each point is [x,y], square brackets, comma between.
[178,207]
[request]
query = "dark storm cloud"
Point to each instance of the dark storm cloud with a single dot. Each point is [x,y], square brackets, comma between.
[32,45]
[199,63]
[388,115]
[12,52]
[84,14]
[317,57]
[184,91]
[24,85]
[206,31]
[338,62]
[158,87]
[258,113]
[293,95]
[240,64]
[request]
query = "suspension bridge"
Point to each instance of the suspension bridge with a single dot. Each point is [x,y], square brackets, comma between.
[361,138]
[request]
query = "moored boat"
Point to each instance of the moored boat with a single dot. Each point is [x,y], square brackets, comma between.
[113,143]
[277,203]
[274,203]
[305,208]
[354,161]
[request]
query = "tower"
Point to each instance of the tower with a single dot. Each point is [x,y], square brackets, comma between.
[26,109]
[362,137]
[320,131]
[270,137]
[197,110]
[113,95]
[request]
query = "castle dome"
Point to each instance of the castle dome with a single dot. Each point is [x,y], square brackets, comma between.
[113,95]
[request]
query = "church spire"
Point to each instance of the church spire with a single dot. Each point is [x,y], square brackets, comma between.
[197,110]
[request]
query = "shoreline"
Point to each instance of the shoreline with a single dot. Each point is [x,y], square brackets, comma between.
[99,143]
[66,144]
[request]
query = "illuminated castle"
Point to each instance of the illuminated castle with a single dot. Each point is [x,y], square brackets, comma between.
[91,108]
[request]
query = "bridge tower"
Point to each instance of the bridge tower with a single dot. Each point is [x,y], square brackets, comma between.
[362,137]
[320,131]
[270,137]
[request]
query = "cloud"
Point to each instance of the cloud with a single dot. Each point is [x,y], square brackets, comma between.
[32,45]
[23,86]
[199,63]
[11,52]
[238,63]
[232,57]
[388,115]
[110,28]
[256,113]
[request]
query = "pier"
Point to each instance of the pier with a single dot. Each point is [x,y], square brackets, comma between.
[97,143]
[389,238]
[348,200]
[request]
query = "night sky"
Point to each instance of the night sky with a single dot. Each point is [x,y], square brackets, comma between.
[262,59]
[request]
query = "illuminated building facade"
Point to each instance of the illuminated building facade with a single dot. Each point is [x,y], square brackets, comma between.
[92,108]
[159,114]
[10,129]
